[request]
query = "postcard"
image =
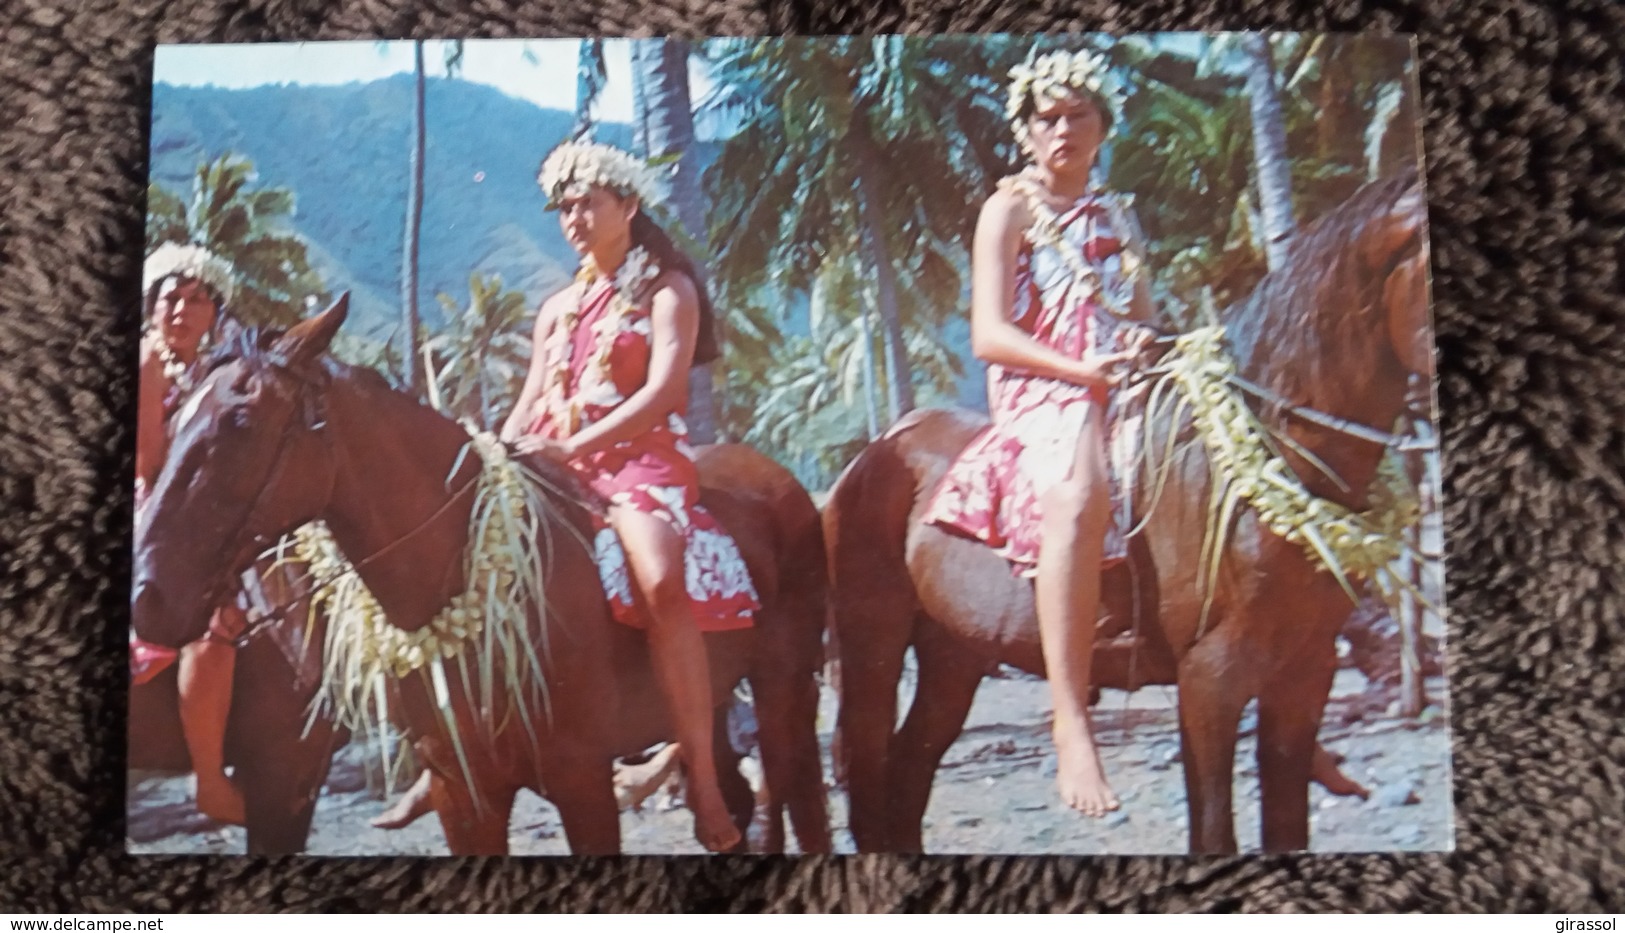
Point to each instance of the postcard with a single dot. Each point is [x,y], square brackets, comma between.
[951,444]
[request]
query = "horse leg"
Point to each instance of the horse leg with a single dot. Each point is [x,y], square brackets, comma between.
[471,829]
[948,677]
[281,783]
[871,666]
[1289,717]
[279,768]
[792,769]
[582,786]
[736,792]
[1211,699]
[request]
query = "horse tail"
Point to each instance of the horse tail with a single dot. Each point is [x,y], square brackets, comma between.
[804,592]
[873,605]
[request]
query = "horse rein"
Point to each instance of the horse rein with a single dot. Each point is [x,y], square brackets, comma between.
[316,422]
[1344,426]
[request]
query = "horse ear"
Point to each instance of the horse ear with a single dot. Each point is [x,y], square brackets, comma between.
[310,338]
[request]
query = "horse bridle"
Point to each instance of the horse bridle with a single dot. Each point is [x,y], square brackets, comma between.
[1315,416]
[315,420]
[311,416]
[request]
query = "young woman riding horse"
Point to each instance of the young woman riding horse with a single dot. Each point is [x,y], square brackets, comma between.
[1056,285]
[605,396]
[186,290]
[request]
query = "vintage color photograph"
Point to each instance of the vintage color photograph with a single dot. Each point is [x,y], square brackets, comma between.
[961,444]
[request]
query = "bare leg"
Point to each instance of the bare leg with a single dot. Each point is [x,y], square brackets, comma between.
[655,554]
[414,803]
[1068,597]
[205,675]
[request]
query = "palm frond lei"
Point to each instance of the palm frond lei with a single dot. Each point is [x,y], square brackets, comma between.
[485,626]
[1248,472]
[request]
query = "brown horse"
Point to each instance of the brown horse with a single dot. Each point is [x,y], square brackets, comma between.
[279,764]
[1338,330]
[281,435]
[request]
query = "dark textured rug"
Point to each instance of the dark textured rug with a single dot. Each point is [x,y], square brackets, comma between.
[1525,137]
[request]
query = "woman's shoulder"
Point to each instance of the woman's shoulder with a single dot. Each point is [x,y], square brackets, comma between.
[678,284]
[1008,207]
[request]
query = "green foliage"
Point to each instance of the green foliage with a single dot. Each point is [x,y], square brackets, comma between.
[1185,150]
[477,363]
[822,125]
[249,227]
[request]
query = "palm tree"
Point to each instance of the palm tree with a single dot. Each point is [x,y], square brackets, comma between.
[591,76]
[663,126]
[814,398]
[250,227]
[478,360]
[411,371]
[1185,147]
[873,150]
[411,330]
[1269,148]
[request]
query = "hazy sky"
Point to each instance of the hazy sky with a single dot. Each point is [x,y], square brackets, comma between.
[501,63]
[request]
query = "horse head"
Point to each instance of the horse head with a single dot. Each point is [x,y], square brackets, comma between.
[250,460]
[1340,327]
[1372,254]
[1394,251]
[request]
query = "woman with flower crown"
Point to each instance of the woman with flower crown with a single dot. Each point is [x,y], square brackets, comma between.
[186,289]
[605,396]
[1056,289]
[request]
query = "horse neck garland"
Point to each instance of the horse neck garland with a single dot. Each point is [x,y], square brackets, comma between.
[488,621]
[1246,470]
[631,280]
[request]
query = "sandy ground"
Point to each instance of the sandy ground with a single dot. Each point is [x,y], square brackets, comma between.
[994,793]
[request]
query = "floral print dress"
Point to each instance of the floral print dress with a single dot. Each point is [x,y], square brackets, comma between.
[602,355]
[993,490]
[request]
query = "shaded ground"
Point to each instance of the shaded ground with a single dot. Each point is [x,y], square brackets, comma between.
[994,794]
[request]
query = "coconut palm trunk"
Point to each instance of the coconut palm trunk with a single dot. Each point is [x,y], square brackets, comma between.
[411,362]
[1269,150]
[900,384]
[664,123]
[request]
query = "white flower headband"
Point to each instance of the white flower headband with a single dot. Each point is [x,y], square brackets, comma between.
[1052,74]
[573,167]
[188,261]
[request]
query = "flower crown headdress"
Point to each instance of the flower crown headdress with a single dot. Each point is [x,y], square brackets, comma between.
[188,261]
[1050,75]
[573,167]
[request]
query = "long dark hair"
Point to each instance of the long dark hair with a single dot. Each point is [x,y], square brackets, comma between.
[647,234]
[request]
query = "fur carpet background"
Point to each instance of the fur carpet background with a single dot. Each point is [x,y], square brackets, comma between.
[1525,140]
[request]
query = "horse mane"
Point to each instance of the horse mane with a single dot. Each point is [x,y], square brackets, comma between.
[1309,325]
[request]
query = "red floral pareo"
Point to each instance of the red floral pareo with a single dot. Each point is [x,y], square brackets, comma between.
[993,490]
[609,352]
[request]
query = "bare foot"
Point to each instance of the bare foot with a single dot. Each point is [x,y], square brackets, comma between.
[219,799]
[1081,779]
[636,783]
[413,804]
